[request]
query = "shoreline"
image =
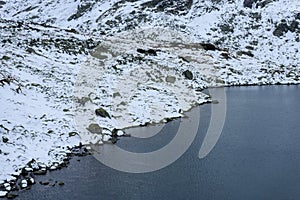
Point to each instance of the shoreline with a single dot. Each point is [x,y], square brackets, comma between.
[32,170]
[243,154]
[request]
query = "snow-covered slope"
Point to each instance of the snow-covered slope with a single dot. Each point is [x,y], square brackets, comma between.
[134,62]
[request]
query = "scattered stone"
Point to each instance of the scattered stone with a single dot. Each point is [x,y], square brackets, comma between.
[28,169]
[170,79]
[106,138]
[94,128]
[102,113]
[11,178]
[30,50]
[294,26]
[247,53]
[44,182]
[4,139]
[24,172]
[188,74]
[5,57]
[15,174]
[31,181]
[113,140]
[42,165]
[249,3]
[171,7]
[61,183]
[209,47]
[40,172]
[7,186]
[11,195]
[71,134]
[225,55]
[281,29]
[259,3]
[150,52]
[24,184]
[183,58]
[120,133]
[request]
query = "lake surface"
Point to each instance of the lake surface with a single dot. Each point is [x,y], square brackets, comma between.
[256,157]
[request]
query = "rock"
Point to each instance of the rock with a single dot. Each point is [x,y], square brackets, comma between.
[225,55]
[184,59]
[7,186]
[263,3]
[294,26]
[11,178]
[15,174]
[40,172]
[259,3]
[247,53]
[170,79]
[120,133]
[5,57]
[94,128]
[281,29]
[179,7]
[150,52]
[188,74]
[249,3]
[24,172]
[30,50]
[209,47]
[71,134]
[114,140]
[44,182]
[81,10]
[297,16]
[102,113]
[4,139]
[220,81]
[226,28]
[11,195]
[31,181]
[61,183]
[28,169]
[24,184]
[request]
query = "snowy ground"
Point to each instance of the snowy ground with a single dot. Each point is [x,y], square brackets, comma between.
[136,62]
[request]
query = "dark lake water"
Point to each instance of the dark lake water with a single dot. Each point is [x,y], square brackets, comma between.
[256,157]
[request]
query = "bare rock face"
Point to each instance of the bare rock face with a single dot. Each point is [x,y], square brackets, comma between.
[180,7]
[259,3]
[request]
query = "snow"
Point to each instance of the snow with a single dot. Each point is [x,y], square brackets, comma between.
[57,83]
[3,193]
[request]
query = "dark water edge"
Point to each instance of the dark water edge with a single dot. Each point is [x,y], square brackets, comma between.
[256,157]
